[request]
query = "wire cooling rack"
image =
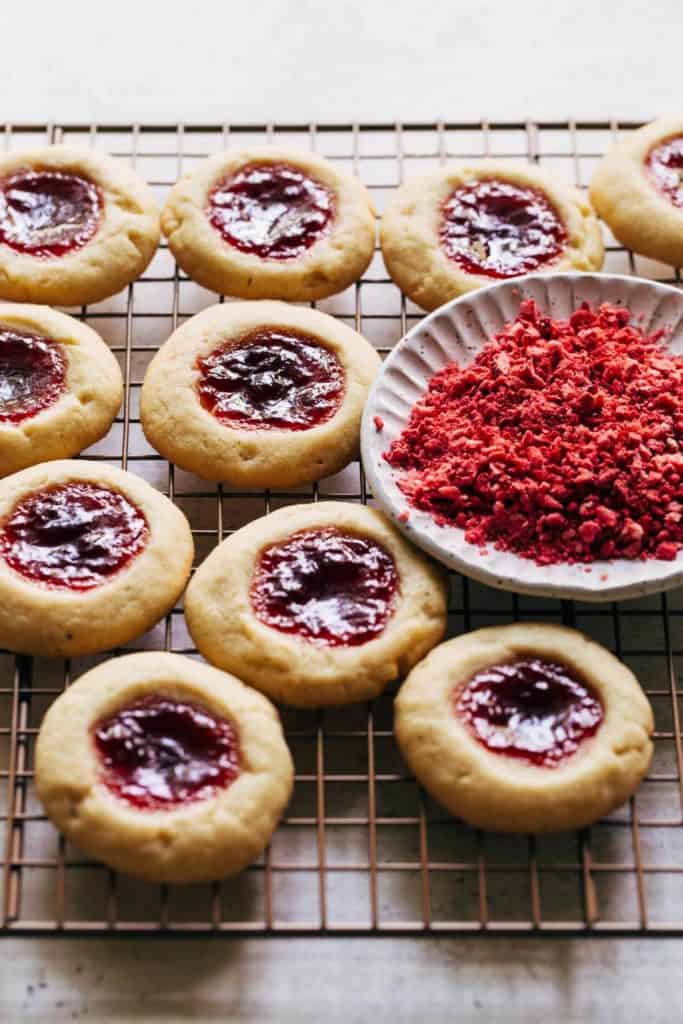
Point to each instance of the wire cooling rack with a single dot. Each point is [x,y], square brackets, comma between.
[362,849]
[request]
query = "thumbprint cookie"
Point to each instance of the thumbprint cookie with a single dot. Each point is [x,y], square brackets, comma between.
[259,394]
[525,728]
[76,226]
[164,768]
[60,386]
[90,557]
[469,225]
[267,223]
[638,190]
[316,604]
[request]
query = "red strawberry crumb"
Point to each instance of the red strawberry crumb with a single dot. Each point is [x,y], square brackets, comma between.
[379,423]
[403,517]
[562,441]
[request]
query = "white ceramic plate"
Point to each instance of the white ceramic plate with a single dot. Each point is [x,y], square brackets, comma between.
[455,333]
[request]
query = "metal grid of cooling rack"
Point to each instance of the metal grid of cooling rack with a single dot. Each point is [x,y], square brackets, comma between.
[362,849]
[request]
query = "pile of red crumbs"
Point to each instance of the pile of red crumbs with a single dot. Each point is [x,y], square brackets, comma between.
[562,441]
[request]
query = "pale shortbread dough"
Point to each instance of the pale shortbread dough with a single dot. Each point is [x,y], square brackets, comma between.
[506,794]
[53,622]
[638,214]
[337,259]
[198,842]
[183,431]
[410,227]
[123,245]
[288,668]
[84,412]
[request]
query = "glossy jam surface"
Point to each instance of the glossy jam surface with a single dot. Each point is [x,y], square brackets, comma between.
[530,709]
[328,587]
[32,374]
[274,211]
[271,379]
[665,166]
[74,536]
[48,213]
[160,753]
[499,229]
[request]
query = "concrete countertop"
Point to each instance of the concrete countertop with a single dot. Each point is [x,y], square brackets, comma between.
[343,981]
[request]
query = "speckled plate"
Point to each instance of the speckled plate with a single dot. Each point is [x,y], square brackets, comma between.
[455,333]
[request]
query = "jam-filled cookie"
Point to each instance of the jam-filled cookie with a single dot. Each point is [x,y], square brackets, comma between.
[317,604]
[525,728]
[164,768]
[76,226]
[90,557]
[468,225]
[638,190]
[259,394]
[267,223]
[60,386]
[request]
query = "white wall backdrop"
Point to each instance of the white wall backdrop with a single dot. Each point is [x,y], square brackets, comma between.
[311,59]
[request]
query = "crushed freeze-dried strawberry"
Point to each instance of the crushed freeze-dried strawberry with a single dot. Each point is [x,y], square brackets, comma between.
[379,423]
[562,441]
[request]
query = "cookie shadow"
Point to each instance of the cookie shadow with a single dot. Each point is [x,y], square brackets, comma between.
[96,898]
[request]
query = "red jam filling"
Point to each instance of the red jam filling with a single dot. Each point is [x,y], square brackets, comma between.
[531,709]
[665,166]
[160,753]
[271,379]
[499,229]
[32,374]
[48,213]
[274,211]
[75,536]
[327,587]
